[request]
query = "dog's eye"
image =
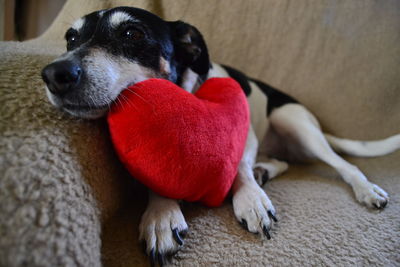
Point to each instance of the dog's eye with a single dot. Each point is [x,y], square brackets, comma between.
[131,33]
[71,41]
[72,38]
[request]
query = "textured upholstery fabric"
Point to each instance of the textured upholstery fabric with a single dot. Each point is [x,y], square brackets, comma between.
[340,58]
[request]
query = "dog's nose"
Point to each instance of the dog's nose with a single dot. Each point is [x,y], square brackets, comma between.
[61,76]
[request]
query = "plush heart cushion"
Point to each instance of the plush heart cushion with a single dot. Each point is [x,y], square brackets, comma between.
[180,145]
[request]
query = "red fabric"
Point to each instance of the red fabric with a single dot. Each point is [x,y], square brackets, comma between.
[180,145]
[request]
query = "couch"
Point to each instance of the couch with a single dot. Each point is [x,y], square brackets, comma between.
[66,200]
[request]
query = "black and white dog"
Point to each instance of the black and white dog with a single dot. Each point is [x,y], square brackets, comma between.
[109,50]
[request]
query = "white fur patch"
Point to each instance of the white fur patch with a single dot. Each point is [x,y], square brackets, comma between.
[165,66]
[51,97]
[190,81]
[110,75]
[101,12]
[258,105]
[217,71]
[119,17]
[78,24]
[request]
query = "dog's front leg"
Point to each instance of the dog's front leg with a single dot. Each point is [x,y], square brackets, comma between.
[251,205]
[162,227]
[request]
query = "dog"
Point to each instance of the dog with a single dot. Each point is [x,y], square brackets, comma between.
[109,50]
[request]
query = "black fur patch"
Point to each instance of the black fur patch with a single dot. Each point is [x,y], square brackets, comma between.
[190,50]
[240,77]
[276,98]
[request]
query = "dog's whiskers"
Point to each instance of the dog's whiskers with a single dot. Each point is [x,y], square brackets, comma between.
[91,100]
[120,102]
[137,94]
[126,99]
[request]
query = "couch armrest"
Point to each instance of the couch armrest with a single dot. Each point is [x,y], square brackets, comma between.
[50,213]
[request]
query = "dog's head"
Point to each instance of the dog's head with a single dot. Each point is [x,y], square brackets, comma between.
[109,50]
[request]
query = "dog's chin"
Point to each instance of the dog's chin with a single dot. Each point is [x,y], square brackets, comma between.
[84,113]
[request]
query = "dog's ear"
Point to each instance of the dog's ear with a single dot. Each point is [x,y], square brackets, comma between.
[190,47]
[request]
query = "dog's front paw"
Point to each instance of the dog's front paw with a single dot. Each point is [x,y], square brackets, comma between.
[253,209]
[162,228]
[372,195]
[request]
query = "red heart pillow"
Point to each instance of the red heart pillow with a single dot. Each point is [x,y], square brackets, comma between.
[180,145]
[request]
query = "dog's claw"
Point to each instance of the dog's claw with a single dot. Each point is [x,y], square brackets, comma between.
[266,232]
[177,237]
[265,177]
[144,246]
[244,224]
[161,259]
[381,205]
[152,257]
[161,226]
[272,216]
[183,233]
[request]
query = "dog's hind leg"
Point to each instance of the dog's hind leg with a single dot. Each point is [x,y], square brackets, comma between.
[266,169]
[302,134]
